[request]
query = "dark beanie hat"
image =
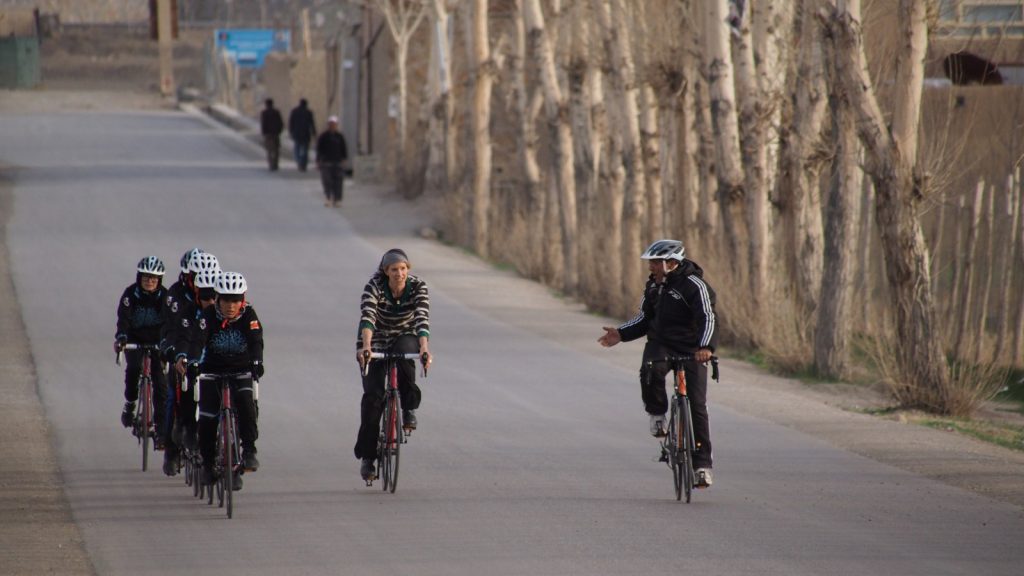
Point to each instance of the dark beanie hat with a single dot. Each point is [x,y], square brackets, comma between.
[393,256]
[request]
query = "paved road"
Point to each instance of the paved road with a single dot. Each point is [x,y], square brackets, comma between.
[531,457]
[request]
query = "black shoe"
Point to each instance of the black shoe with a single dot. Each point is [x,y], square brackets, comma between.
[367,471]
[158,443]
[249,461]
[207,477]
[236,482]
[170,463]
[409,419]
[128,414]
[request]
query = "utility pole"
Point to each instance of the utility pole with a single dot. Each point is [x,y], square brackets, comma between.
[164,18]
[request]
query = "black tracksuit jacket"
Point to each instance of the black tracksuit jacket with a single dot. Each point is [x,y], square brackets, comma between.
[678,314]
[141,315]
[225,346]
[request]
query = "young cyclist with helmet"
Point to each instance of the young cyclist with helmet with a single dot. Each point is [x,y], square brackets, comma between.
[395,317]
[229,340]
[677,314]
[140,316]
[182,305]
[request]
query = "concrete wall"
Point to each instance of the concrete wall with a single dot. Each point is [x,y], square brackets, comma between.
[89,11]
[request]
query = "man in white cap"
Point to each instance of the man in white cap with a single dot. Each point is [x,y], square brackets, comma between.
[331,152]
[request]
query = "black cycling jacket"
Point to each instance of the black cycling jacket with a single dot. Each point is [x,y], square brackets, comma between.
[680,313]
[224,346]
[140,314]
[180,305]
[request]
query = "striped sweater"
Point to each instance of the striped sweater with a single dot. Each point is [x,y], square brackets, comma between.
[389,317]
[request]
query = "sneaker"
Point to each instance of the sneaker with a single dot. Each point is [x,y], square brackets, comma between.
[704,478]
[249,461]
[207,477]
[367,471]
[409,419]
[128,414]
[658,425]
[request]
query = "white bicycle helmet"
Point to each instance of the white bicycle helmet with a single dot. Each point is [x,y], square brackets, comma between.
[203,261]
[665,250]
[231,283]
[151,265]
[188,256]
[207,278]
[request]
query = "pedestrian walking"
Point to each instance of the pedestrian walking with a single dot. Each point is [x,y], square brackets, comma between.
[271,126]
[331,153]
[302,129]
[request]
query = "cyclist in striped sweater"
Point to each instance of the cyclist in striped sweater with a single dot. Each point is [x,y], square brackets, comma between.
[395,317]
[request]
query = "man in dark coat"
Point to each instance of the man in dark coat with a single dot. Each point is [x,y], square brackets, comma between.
[271,126]
[302,129]
[331,153]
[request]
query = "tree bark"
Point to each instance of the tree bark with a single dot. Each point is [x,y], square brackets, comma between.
[1014,207]
[731,191]
[558,116]
[803,158]
[485,73]
[979,343]
[832,334]
[891,162]
[527,109]
[967,272]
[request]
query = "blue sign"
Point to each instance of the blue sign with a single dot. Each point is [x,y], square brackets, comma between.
[249,47]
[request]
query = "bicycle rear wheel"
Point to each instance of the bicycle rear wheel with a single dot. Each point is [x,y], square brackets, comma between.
[687,445]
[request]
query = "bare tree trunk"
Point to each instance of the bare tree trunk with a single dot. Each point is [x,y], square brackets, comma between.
[866,243]
[892,154]
[557,110]
[832,335]
[440,163]
[979,340]
[731,191]
[952,308]
[752,120]
[1006,305]
[485,73]
[1017,354]
[967,273]
[649,134]
[689,171]
[803,159]
[528,108]
[936,250]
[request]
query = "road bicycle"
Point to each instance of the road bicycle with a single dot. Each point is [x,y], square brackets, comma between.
[678,445]
[187,448]
[392,433]
[227,461]
[143,427]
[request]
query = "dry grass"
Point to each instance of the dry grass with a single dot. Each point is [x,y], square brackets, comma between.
[968,386]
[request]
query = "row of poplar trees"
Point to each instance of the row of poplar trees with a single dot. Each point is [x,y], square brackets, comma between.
[562,136]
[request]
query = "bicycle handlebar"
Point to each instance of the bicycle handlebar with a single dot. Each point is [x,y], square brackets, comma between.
[673,360]
[422,357]
[121,349]
[208,377]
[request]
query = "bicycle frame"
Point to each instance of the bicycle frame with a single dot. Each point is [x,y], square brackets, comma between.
[679,444]
[392,433]
[143,426]
[227,462]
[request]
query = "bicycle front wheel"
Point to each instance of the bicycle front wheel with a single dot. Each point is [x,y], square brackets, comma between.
[146,419]
[229,461]
[388,452]
[675,449]
[687,445]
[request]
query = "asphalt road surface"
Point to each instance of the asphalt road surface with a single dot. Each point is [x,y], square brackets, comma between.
[532,455]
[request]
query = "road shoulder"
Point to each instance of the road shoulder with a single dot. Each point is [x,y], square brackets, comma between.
[37,533]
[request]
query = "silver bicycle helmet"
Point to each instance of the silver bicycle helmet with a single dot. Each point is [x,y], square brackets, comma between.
[203,261]
[188,256]
[231,283]
[151,265]
[665,250]
[207,279]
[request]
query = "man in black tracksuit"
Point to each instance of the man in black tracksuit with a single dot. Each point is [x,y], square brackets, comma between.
[140,316]
[331,152]
[271,126]
[302,129]
[677,314]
